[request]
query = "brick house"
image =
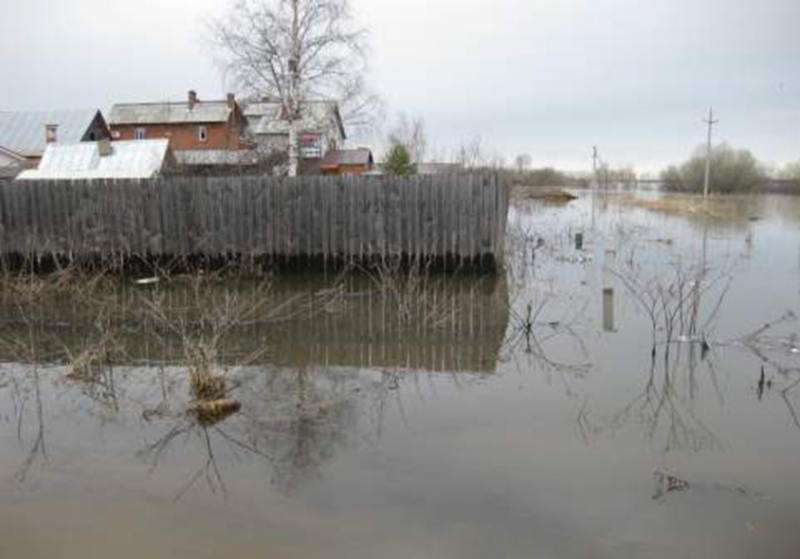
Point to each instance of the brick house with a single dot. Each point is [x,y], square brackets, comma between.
[194,126]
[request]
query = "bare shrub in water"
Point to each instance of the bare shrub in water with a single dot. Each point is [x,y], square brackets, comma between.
[407,287]
[732,171]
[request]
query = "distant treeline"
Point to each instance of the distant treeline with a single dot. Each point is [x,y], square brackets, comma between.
[544,177]
[731,171]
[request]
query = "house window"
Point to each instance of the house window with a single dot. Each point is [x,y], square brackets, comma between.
[202,134]
[139,133]
[310,146]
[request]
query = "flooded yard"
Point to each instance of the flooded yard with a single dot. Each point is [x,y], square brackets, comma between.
[629,386]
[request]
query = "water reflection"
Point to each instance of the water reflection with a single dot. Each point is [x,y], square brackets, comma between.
[285,374]
[437,324]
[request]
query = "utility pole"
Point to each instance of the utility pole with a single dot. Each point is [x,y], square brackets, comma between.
[710,122]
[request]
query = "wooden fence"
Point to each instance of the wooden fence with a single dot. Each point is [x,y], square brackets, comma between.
[459,218]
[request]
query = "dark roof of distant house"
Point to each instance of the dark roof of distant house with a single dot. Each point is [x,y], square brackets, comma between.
[25,132]
[203,112]
[347,157]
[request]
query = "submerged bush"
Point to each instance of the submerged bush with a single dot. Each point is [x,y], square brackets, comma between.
[732,170]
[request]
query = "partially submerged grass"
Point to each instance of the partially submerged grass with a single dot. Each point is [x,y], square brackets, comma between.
[546,194]
[717,208]
[205,384]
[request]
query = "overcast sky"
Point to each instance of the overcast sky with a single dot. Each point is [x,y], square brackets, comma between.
[546,77]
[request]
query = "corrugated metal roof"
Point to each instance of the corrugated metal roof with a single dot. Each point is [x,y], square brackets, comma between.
[169,113]
[138,159]
[315,116]
[25,132]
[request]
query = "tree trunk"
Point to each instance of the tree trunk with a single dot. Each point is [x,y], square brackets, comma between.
[294,90]
[294,151]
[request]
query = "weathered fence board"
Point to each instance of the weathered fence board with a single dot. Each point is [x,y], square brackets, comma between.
[457,218]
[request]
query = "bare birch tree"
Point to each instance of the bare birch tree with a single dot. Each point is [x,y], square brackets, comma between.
[471,154]
[294,51]
[522,162]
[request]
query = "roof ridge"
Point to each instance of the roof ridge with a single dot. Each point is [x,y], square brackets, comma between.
[49,111]
[152,103]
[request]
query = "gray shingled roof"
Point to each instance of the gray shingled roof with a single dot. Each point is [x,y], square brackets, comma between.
[169,113]
[265,117]
[337,158]
[25,132]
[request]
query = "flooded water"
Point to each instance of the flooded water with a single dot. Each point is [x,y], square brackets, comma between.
[629,388]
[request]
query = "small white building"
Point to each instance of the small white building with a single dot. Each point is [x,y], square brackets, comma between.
[136,159]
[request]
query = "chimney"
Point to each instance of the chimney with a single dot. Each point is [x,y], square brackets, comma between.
[51,133]
[231,101]
[192,99]
[104,147]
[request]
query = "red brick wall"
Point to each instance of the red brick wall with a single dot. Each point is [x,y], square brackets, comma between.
[185,136]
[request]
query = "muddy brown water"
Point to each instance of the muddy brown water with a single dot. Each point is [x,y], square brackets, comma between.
[438,421]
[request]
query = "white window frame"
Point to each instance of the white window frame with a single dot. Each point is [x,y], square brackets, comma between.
[310,145]
[139,133]
[202,134]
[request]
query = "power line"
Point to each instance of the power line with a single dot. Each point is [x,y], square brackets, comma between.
[710,122]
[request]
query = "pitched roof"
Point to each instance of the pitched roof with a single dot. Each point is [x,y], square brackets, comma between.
[338,158]
[11,163]
[169,113]
[25,132]
[137,159]
[315,116]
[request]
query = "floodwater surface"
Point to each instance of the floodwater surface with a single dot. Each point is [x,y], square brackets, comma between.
[629,387]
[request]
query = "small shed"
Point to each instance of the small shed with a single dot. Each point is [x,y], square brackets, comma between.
[347,162]
[142,159]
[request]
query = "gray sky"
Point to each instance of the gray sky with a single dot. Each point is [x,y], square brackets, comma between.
[545,77]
